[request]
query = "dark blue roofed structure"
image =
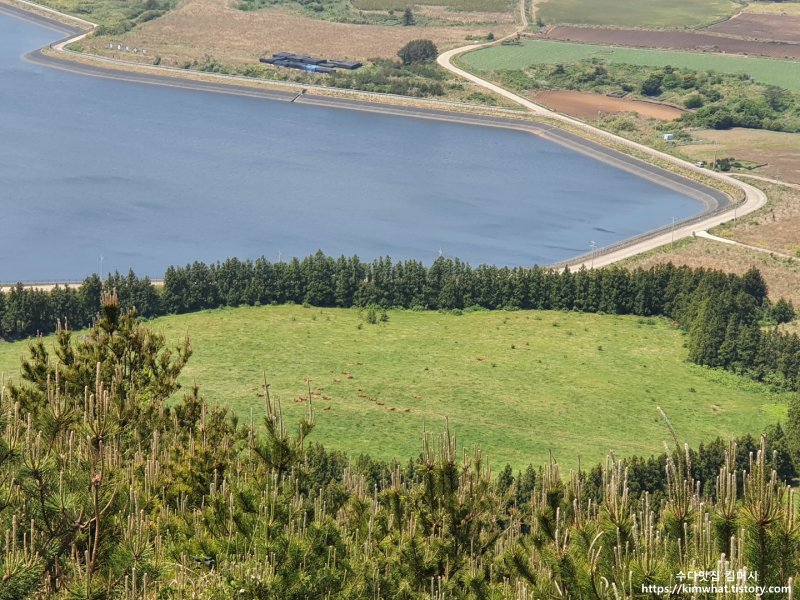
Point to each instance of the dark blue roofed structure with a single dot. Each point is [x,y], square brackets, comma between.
[310,63]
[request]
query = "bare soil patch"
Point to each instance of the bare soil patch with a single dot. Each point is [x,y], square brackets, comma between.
[199,29]
[587,105]
[779,152]
[783,28]
[673,40]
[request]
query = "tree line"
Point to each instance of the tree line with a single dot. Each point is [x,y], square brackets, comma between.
[729,319]
[108,491]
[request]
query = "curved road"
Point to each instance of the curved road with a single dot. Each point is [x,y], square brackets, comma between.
[716,202]
[754,197]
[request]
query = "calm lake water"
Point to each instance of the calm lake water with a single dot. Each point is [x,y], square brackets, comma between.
[148,176]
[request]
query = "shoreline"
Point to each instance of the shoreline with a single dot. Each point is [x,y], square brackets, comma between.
[536,120]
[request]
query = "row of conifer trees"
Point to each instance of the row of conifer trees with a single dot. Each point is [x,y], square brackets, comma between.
[725,315]
[108,492]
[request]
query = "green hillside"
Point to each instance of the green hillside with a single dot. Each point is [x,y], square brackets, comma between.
[519,384]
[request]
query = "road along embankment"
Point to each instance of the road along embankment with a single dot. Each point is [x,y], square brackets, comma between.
[754,198]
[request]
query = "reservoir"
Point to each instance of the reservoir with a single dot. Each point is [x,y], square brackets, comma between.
[146,176]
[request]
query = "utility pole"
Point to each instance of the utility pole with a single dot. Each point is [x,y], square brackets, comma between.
[101,267]
[673,233]
[592,245]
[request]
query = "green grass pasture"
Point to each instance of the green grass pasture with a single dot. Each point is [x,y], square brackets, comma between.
[784,73]
[636,13]
[516,383]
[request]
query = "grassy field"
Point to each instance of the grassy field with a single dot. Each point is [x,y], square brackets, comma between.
[641,13]
[774,8]
[779,152]
[783,73]
[516,383]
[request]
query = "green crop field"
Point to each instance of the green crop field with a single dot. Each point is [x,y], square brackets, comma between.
[516,383]
[640,13]
[784,73]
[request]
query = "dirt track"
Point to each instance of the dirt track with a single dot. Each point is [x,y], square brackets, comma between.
[673,40]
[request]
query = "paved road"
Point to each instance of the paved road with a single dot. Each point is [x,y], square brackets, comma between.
[754,198]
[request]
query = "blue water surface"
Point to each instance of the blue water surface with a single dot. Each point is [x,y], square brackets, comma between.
[148,176]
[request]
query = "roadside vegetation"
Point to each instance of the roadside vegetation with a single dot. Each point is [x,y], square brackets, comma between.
[713,100]
[114,17]
[414,79]
[109,491]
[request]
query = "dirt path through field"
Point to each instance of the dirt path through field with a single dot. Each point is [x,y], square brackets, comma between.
[722,240]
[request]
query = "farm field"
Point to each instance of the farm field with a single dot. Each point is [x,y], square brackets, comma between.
[774,8]
[785,28]
[776,228]
[778,151]
[481,6]
[642,13]
[502,378]
[202,29]
[677,40]
[770,71]
[587,105]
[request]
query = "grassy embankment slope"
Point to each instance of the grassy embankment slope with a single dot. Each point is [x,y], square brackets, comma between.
[783,73]
[516,383]
[642,13]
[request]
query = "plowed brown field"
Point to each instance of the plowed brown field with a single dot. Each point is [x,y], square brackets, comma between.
[673,40]
[586,105]
[782,28]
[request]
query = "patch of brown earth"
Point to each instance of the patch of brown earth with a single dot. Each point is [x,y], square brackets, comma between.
[673,40]
[782,28]
[587,105]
